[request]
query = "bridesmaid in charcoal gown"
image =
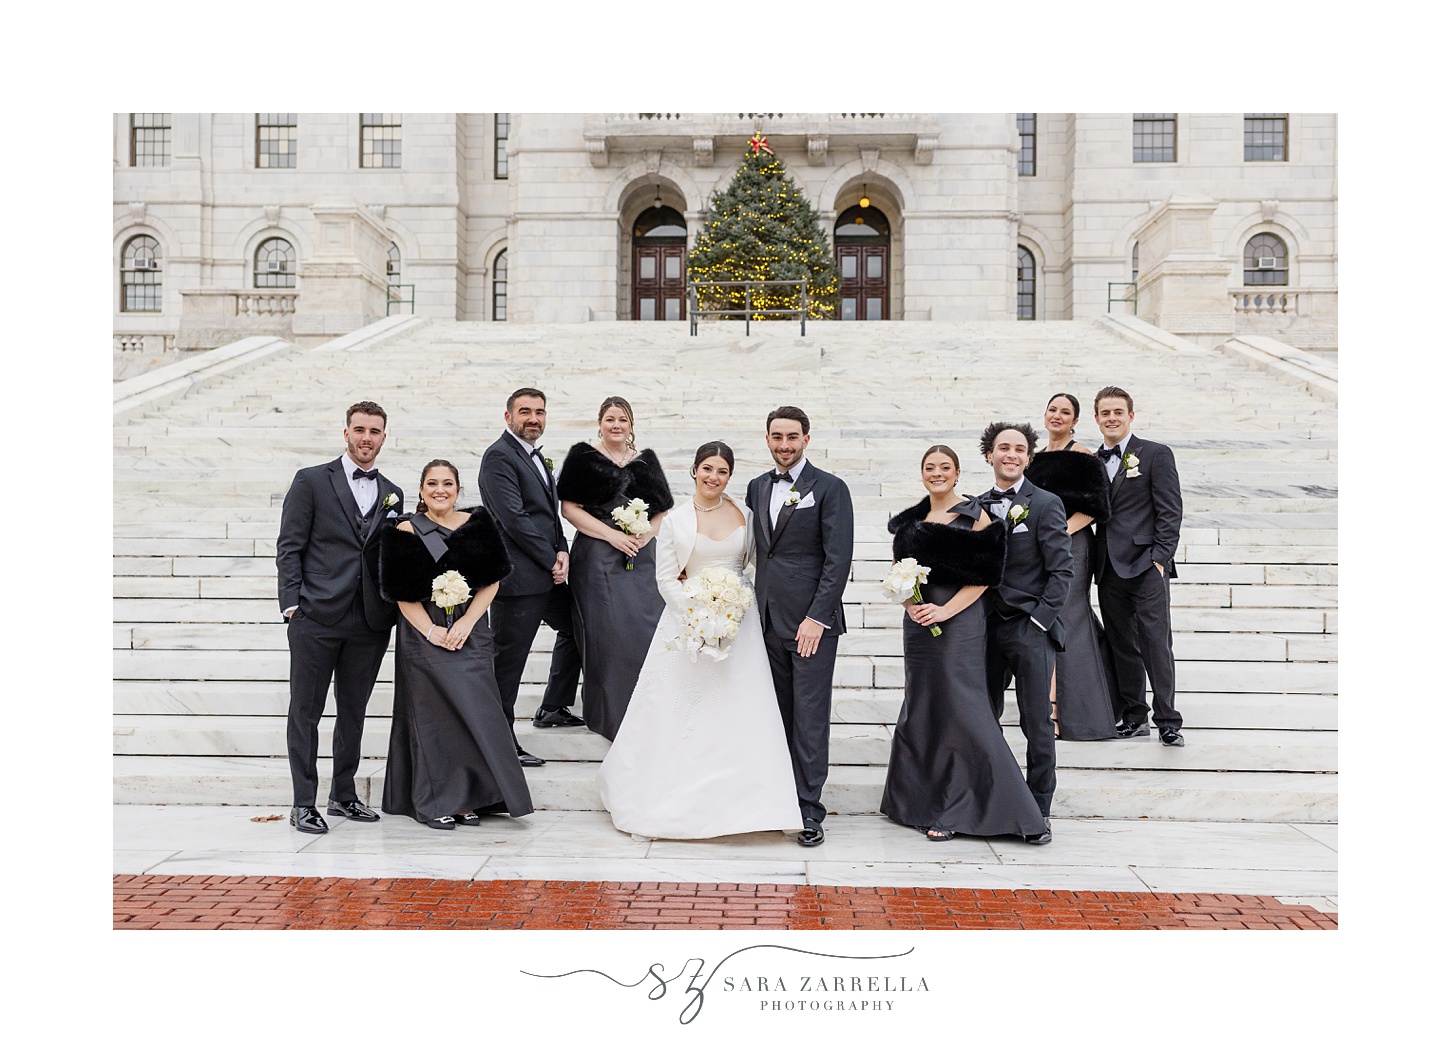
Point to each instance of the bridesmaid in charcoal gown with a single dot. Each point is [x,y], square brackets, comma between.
[616,608]
[451,754]
[1082,683]
[951,771]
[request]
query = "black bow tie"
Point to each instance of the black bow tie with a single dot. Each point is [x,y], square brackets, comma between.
[997,495]
[358,472]
[1105,452]
[777,476]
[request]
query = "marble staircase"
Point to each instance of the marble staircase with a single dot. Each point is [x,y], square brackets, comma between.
[200,692]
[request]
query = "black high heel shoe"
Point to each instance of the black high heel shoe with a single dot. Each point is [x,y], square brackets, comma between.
[466,818]
[445,822]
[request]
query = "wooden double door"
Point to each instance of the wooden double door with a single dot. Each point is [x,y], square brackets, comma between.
[658,282]
[863,268]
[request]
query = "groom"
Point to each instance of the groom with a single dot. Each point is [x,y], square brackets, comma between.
[803,521]
[337,624]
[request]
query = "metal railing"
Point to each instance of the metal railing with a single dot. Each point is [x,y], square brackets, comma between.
[396,296]
[1131,295]
[696,311]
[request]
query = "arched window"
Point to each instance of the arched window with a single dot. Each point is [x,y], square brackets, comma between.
[1135,276]
[501,286]
[395,265]
[1266,262]
[275,267]
[1027,283]
[141,274]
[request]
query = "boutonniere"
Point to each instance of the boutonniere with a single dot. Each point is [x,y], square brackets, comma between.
[1016,513]
[549,464]
[1131,465]
[792,497]
[390,500]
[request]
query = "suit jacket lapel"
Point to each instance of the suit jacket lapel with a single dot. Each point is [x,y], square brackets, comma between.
[1118,476]
[763,507]
[802,485]
[379,510]
[529,465]
[345,495]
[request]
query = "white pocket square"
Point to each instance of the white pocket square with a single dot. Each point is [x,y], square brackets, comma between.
[809,500]
[1021,527]
[392,514]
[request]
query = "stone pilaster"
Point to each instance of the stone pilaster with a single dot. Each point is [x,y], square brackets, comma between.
[344,285]
[1183,281]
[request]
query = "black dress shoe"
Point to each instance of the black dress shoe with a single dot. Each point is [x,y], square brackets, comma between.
[306,820]
[560,718]
[466,818]
[1045,837]
[811,834]
[1171,737]
[445,822]
[528,759]
[352,809]
[1132,730]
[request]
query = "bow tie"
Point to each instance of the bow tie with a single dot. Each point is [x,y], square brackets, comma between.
[1105,452]
[372,475]
[997,495]
[777,476]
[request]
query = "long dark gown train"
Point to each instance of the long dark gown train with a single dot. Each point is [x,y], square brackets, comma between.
[451,750]
[1084,684]
[950,765]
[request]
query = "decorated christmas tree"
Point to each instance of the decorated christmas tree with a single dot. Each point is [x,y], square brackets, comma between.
[761,227]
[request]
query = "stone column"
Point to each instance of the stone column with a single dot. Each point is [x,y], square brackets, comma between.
[1183,282]
[344,285]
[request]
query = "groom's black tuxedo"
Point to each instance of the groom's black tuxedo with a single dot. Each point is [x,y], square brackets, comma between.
[327,567]
[802,565]
[1024,631]
[1134,598]
[526,507]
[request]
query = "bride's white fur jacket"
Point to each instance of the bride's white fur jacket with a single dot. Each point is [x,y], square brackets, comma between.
[675,543]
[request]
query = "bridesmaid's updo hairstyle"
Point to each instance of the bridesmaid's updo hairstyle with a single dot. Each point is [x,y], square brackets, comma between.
[945,450]
[1071,401]
[423,476]
[615,401]
[710,449]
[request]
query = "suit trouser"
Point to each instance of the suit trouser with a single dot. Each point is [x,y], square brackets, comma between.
[515,621]
[1136,620]
[803,695]
[347,655]
[1016,647]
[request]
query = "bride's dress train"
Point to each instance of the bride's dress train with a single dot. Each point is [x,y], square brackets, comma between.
[701,751]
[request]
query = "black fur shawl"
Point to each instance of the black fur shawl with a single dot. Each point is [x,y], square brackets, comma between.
[591,479]
[957,555]
[406,570]
[1078,479]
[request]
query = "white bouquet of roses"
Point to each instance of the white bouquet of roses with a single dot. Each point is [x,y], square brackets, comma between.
[450,590]
[904,580]
[715,603]
[634,520]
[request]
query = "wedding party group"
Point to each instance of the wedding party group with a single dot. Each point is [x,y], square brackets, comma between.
[702,637]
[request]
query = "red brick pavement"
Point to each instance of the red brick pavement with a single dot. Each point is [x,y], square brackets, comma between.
[208,903]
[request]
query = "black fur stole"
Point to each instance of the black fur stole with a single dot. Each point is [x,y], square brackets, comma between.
[591,479]
[406,570]
[957,555]
[1078,479]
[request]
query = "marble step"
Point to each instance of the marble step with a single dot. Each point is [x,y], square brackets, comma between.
[849,705]
[1188,796]
[869,744]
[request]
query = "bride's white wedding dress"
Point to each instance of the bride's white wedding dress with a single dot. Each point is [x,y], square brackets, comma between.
[701,751]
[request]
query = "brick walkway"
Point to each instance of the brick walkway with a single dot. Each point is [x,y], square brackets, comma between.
[281,903]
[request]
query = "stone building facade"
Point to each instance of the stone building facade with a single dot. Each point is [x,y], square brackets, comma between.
[307,225]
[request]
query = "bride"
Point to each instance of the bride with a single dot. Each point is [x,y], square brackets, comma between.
[702,751]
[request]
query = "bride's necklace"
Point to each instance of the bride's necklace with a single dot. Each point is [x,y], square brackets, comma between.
[706,510]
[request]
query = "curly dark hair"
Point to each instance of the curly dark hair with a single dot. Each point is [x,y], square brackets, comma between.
[997,427]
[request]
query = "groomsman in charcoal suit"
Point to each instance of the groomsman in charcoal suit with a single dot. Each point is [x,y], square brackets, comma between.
[1024,632]
[803,520]
[1135,563]
[517,485]
[337,624]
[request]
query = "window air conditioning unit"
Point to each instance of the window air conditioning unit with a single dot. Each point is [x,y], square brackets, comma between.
[1265,262]
[276,267]
[141,264]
